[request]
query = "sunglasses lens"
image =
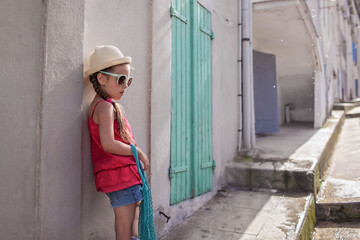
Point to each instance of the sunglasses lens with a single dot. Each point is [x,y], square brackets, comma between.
[129,82]
[122,79]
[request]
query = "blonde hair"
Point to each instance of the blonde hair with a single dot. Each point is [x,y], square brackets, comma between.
[119,112]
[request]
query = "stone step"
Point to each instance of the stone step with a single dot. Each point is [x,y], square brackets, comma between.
[339,195]
[343,106]
[237,214]
[283,176]
[353,113]
[301,172]
[333,230]
[338,200]
[356,101]
[344,211]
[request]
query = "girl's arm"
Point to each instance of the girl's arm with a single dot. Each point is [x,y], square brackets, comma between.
[105,115]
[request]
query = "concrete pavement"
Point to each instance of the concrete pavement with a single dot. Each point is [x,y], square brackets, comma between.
[298,169]
[353,113]
[339,197]
[269,214]
[284,143]
[341,231]
[261,214]
[236,214]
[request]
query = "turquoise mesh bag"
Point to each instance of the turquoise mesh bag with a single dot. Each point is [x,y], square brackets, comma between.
[146,217]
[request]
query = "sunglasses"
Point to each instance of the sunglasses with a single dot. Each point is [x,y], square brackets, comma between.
[121,78]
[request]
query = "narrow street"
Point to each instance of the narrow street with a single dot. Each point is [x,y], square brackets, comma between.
[248,112]
[338,202]
[273,212]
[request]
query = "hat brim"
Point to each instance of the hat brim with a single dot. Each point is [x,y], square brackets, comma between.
[107,65]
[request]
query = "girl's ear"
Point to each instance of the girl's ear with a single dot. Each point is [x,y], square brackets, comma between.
[101,78]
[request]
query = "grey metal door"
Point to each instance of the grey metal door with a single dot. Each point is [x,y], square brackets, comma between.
[265,93]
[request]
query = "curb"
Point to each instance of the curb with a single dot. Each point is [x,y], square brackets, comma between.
[348,211]
[301,172]
[353,113]
[306,224]
[319,148]
[271,175]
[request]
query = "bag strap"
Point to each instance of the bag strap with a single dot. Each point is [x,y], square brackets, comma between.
[139,167]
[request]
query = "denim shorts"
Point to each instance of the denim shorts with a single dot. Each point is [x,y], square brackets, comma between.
[125,196]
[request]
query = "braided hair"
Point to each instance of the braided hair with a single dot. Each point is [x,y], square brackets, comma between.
[119,112]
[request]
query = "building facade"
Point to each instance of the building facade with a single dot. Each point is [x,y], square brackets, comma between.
[192,107]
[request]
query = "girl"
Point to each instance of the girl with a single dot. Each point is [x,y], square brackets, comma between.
[115,168]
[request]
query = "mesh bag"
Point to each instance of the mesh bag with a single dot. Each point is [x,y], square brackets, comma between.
[146,217]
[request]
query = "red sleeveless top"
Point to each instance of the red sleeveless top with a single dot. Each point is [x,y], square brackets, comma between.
[112,172]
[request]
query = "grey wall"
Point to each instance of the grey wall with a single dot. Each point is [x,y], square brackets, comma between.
[40,120]
[142,30]
[125,24]
[20,56]
[225,106]
[60,185]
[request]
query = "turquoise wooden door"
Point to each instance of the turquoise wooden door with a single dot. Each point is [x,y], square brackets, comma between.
[191,103]
[203,101]
[181,120]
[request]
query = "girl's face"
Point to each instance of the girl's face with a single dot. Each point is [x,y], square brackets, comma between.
[109,83]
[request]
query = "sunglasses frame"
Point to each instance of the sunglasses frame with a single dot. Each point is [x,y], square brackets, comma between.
[118,76]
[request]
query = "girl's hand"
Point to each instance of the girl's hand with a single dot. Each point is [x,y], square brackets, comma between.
[143,158]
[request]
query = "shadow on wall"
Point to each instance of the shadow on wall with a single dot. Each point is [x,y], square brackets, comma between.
[95,207]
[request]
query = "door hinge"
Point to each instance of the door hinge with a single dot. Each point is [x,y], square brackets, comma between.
[173,171]
[208,32]
[211,164]
[178,15]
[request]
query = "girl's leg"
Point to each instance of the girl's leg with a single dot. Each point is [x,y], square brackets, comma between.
[135,224]
[124,218]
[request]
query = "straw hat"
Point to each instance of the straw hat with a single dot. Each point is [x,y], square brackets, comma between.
[105,56]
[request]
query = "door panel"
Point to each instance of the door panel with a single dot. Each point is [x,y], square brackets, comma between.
[191,101]
[265,93]
[203,99]
[180,171]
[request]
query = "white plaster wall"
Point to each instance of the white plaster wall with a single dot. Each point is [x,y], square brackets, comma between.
[331,68]
[150,48]
[349,63]
[125,24]
[20,56]
[160,113]
[345,30]
[320,99]
[298,90]
[294,52]
[225,84]
[295,83]
[328,43]
[60,166]
[40,120]
[225,106]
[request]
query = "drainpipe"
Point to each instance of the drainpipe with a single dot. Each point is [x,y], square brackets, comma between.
[240,130]
[247,74]
[252,108]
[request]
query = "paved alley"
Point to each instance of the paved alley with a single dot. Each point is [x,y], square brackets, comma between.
[339,197]
[234,214]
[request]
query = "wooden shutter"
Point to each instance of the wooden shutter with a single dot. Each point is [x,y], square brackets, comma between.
[204,163]
[181,141]
[191,107]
